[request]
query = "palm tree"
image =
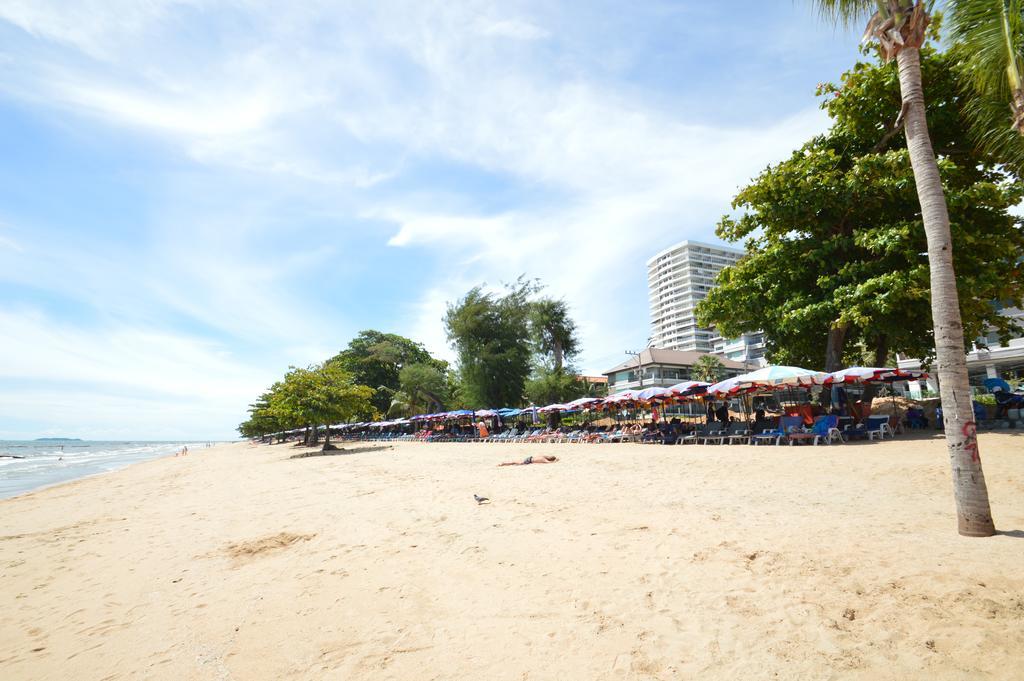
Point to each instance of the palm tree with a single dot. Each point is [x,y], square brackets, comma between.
[899,27]
[708,368]
[554,331]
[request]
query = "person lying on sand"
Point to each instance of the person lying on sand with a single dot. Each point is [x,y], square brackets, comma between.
[531,459]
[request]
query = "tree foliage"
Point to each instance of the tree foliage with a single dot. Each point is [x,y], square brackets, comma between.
[708,368]
[550,386]
[491,336]
[424,388]
[309,397]
[513,344]
[834,238]
[376,359]
[554,332]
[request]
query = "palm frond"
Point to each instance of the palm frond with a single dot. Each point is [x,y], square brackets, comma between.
[847,13]
[894,24]
[990,129]
[988,38]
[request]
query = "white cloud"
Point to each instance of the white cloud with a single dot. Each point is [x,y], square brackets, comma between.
[107,381]
[97,27]
[228,114]
[155,362]
[334,105]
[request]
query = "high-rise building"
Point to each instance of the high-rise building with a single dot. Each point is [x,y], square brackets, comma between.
[678,278]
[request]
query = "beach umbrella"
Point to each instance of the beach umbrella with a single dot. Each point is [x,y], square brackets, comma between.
[768,378]
[997,384]
[587,404]
[583,402]
[863,375]
[653,394]
[623,398]
[729,387]
[857,375]
[485,412]
[777,377]
[689,388]
[552,407]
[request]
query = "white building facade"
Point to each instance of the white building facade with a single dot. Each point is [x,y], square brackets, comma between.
[988,357]
[678,278]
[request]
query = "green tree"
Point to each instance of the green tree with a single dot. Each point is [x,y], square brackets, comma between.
[424,388]
[550,386]
[491,335]
[554,332]
[836,260]
[265,418]
[899,27]
[708,368]
[324,394]
[376,359]
[594,388]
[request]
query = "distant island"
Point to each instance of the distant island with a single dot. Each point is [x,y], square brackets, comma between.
[58,439]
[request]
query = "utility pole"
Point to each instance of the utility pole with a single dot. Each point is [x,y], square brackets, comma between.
[639,372]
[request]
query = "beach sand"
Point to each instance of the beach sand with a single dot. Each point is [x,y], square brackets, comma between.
[617,562]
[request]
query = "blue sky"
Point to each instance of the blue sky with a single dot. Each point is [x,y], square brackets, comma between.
[195,195]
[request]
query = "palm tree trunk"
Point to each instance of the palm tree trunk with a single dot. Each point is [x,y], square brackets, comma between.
[973,512]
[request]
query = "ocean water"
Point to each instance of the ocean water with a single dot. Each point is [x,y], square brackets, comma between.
[41,464]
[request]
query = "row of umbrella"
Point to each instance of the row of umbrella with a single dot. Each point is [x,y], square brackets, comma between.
[763,380]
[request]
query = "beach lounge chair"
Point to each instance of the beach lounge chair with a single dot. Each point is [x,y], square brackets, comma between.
[824,429]
[873,426]
[878,426]
[704,431]
[787,424]
[739,432]
[574,436]
[722,435]
[614,436]
[526,435]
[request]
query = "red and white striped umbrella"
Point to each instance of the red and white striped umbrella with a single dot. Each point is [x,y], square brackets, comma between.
[873,375]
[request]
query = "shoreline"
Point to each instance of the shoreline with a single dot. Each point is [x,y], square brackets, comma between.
[119,466]
[624,560]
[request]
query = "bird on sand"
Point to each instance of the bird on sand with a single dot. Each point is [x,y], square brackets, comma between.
[480,499]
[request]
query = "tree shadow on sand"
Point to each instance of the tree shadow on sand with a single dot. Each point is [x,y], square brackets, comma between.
[338,452]
[1019,534]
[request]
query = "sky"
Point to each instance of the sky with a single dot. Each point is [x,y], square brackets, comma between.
[195,195]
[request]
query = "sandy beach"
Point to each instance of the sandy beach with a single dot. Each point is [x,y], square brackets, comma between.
[617,562]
